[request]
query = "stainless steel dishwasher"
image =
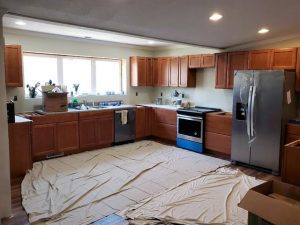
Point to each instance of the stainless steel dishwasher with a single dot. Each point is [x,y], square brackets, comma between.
[124,132]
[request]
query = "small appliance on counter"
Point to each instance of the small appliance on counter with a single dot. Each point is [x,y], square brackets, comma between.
[190,127]
[10,111]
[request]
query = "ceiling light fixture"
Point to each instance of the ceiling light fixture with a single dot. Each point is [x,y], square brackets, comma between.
[263,31]
[150,42]
[20,23]
[215,17]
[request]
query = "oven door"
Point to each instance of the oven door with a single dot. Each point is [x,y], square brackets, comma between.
[190,128]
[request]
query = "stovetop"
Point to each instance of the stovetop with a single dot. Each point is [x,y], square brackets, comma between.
[197,111]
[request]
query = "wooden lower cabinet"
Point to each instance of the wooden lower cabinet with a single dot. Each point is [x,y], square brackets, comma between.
[140,122]
[19,148]
[292,133]
[96,129]
[165,124]
[218,127]
[291,166]
[54,134]
[67,136]
[44,140]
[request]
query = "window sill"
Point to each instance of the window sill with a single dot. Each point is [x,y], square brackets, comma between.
[81,96]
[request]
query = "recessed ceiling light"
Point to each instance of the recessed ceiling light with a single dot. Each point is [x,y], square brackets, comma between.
[263,31]
[150,42]
[215,17]
[20,23]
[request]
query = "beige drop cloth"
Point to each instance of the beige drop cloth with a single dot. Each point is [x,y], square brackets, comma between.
[83,188]
[208,199]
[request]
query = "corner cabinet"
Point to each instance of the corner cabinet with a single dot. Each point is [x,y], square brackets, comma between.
[54,134]
[13,66]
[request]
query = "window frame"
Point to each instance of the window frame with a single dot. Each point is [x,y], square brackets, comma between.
[93,59]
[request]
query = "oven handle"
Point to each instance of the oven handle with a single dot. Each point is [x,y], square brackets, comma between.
[189,118]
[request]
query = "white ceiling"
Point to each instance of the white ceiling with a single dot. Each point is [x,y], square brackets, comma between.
[184,21]
[42,26]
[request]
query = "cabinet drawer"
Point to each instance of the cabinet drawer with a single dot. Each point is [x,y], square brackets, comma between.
[218,142]
[55,118]
[96,114]
[293,129]
[166,116]
[165,131]
[218,123]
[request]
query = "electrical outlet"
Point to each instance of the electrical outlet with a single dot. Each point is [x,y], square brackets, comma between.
[136,94]
[15,98]
[161,94]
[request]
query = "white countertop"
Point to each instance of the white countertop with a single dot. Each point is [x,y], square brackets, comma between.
[19,119]
[170,107]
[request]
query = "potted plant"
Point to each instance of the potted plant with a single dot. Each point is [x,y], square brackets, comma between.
[33,90]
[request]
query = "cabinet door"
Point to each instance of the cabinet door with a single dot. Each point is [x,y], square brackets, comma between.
[221,70]
[163,72]
[284,59]
[155,71]
[187,77]
[149,120]
[67,136]
[140,122]
[105,130]
[149,72]
[87,133]
[260,59]
[194,61]
[174,72]
[207,60]
[19,148]
[44,139]
[142,64]
[236,61]
[13,66]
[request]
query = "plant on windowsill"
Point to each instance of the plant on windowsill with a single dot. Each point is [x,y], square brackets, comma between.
[33,90]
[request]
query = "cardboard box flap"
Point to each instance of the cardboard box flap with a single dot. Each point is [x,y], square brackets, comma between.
[274,210]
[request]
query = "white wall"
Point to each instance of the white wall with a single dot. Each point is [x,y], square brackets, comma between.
[54,44]
[5,200]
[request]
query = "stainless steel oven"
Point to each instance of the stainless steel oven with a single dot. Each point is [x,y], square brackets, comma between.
[190,128]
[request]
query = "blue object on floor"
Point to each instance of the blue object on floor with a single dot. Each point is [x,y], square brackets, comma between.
[189,145]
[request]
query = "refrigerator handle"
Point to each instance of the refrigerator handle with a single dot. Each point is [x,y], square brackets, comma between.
[249,112]
[252,110]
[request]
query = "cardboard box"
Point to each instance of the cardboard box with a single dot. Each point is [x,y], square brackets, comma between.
[275,202]
[55,102]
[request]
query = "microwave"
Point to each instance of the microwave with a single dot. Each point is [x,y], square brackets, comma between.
[10,112]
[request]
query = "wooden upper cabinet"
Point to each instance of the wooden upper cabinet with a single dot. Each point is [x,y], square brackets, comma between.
[163,71]
[149,72]
[194,61]
[201,61]
[174,72]
[187,77]
[207,60]
[138,67]
[155,71]
[284,58]
[297,85]
[235,61]
[221,70]
[260,59]
[13,66]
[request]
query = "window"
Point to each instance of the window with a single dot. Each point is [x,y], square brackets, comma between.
[94,75]
[39,68]
[108,77]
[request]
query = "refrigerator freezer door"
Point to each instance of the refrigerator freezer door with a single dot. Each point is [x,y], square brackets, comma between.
[242,92]
[267,117]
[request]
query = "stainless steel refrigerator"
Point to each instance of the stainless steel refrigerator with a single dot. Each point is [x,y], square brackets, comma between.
[263,101]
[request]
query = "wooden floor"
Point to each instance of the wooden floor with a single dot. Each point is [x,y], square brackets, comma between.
[19,216]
